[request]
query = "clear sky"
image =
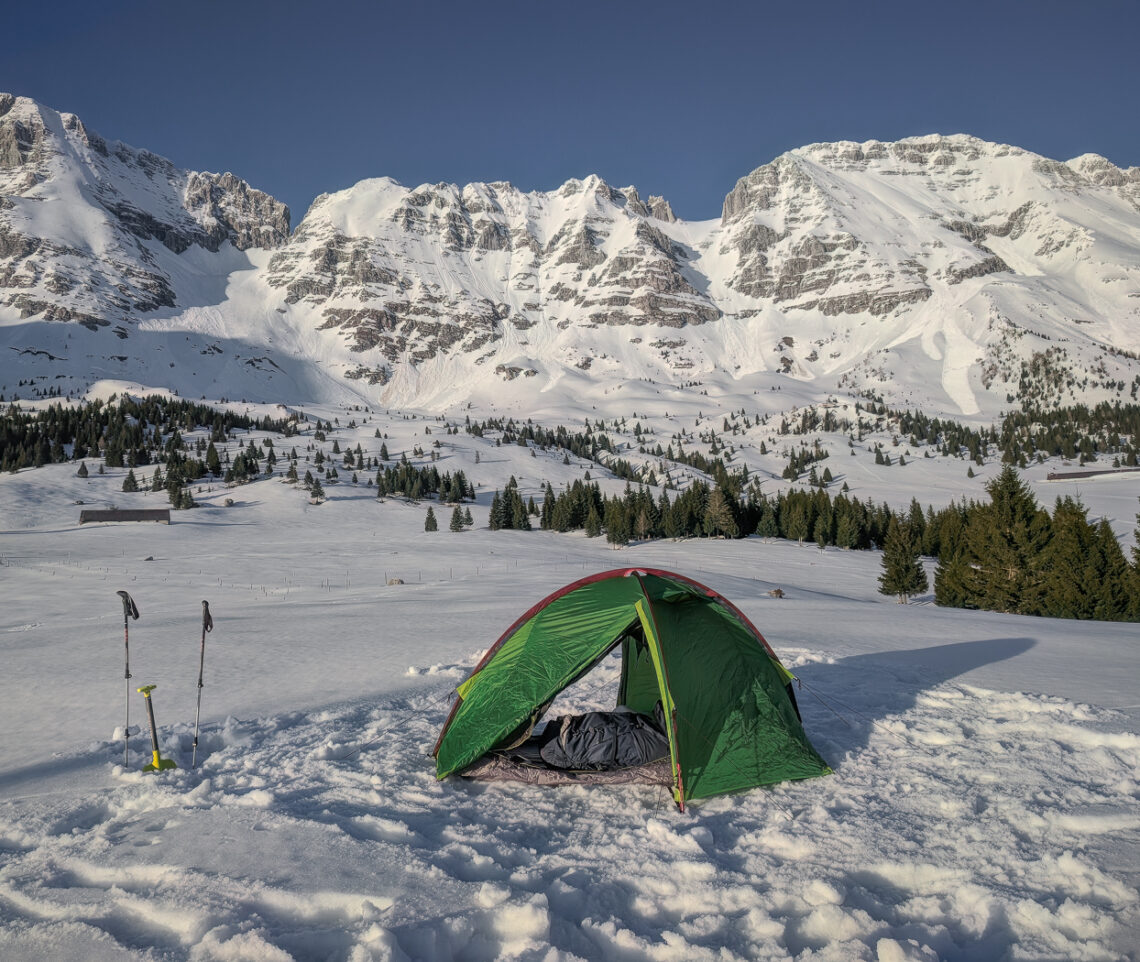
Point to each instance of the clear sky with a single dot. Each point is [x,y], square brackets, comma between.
[679,99]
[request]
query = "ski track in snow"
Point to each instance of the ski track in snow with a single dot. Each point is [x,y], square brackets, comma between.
[947,832]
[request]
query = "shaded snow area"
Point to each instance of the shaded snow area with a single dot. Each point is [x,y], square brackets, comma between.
[985,803]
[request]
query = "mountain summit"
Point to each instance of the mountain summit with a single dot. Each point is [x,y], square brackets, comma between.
[941,272]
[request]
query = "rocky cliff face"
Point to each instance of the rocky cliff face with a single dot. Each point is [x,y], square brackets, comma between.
[83,222]
[947,272]
[412,273]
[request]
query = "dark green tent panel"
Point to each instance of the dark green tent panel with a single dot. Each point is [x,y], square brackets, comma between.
[731,716]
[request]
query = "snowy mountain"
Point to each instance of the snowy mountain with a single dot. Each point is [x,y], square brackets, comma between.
[944,273]
[91,231]
[984,797]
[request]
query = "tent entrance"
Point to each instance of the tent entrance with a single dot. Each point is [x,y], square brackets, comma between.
[590,733]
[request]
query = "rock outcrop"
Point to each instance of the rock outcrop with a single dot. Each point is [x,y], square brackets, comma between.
[99,262]
[834,261]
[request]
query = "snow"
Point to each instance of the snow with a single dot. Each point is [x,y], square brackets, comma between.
[984,804]
[239,320]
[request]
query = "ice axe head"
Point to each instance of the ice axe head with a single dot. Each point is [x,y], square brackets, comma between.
[129,607]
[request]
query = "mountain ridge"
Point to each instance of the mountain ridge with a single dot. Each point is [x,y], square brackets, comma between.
[943,272]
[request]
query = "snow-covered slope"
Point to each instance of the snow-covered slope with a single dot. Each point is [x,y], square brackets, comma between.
[984,804]
[945,273]
[90,230]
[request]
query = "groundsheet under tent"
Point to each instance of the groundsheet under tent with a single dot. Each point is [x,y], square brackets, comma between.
[596,748]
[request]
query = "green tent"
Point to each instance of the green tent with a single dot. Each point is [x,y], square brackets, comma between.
[731,717]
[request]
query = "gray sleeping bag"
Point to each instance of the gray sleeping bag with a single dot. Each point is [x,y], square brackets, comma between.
[602,740]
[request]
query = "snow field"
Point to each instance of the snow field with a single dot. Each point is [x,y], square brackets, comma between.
[947,832]
[984,804]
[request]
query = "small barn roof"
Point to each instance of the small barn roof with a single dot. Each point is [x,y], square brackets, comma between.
[161,515]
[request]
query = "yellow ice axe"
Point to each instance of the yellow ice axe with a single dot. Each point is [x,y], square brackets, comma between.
[158,763]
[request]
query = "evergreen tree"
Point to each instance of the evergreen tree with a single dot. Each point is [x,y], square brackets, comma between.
[1066,563]
[213,462]
[719,519]
[1004,540]
[1135,540]
[519,519]
[317,491]
[903,574]
[456,519]
[430,523]
[1113,600]
[950,579]
[130,482]
[495,518]
[82,472]
[548,500]
[769,525]
[821,532]
[468,521]
[617,522]
[797,524]
[593,522]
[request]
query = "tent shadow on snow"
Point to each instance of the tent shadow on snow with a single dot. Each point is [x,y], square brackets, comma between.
[864,690]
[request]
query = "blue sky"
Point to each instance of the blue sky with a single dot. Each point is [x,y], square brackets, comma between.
[679,99]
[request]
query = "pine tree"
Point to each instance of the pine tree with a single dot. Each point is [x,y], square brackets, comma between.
[548,501]
[430,523]
[518,519]
[593,522]
[1135,541]
[130,482]
[950,579]
[903,574]
[1113,600]
[768,526]
[797,521]
[821,532]
[719,519]
[617,522]
[1065,561]
[468,521]
[317,491]
[1004,540]
[82,472]
[456,519]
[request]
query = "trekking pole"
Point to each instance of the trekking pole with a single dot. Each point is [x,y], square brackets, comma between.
[129,611]
[158,763]
[207,625]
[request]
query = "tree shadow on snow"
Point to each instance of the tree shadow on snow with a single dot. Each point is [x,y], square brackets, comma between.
[843,702]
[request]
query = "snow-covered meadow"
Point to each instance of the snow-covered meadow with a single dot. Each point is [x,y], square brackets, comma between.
[985,803]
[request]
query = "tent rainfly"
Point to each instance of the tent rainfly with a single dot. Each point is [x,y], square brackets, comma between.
[729,712]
